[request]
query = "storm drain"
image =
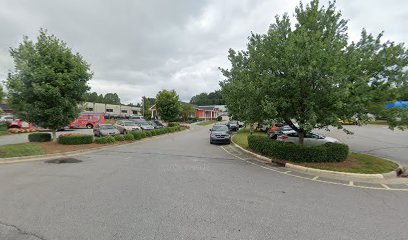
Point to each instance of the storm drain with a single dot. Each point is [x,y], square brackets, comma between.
[64,160]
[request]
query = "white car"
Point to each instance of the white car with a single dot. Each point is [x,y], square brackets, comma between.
[311,139]
[125,127]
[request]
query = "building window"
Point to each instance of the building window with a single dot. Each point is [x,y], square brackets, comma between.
[109,110]
[134,111]
[124,111]
[89,109]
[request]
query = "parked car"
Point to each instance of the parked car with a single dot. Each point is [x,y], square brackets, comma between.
[88,120]
[127,126]
[220,134]
[18,123]
[311,139]
[145,125]
[263,127]
[136,117]
[156,124]
[6,118]
[105,130]
[233,125]
[240,124]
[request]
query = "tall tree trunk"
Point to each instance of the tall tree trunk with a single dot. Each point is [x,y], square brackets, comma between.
[251,128]
[54,135]
[301,134]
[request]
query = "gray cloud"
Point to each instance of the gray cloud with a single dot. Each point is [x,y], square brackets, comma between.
[137,48]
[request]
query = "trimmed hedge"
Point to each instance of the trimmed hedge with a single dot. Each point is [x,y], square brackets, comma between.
[129,137]
[76,139]
[105,140]
[331,152]
[148,133]
[119,138]
[39,137]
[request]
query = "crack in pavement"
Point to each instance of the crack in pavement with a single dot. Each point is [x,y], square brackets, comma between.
[18,231]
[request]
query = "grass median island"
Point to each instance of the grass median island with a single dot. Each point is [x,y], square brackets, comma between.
[354,163]
[357,163]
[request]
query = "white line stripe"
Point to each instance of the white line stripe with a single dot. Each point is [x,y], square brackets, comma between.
[351,183]
[334,183]
[288,172]
[385,186]
[315,178]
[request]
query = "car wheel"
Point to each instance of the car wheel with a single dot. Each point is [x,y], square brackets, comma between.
[211,142]
[89,126]
[124,132]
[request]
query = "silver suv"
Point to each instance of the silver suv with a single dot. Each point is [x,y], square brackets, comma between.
[220,134]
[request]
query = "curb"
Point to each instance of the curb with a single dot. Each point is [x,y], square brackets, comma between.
[75,153]
[314,170]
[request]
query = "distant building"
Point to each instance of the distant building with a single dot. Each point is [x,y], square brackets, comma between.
[5,108]
[201,112]
[111,109]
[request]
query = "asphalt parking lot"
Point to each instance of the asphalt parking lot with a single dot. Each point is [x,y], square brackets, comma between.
[377,140]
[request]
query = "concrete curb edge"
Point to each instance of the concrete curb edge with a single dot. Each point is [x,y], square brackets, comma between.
[314,170]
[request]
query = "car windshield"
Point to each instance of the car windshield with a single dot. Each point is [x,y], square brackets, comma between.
[145,123]
[129,124]
[107,127]
[220,128]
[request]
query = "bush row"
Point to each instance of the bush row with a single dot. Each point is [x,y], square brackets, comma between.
[39,137]
[331,152]
[76,139]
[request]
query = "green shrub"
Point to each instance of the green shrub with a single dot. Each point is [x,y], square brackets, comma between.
[154,132]
[219,118]
[148,133]
[39,137]
[75,139]
[143,134]
[129,137]
[3,127]
[332,152]
[136,135]
[172,124]
[119,138]
[105,140]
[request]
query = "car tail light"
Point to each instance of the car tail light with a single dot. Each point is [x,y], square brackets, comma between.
[283,137]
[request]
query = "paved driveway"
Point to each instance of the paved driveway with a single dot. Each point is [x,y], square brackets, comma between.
[181,187]
[376,140]
[23,137]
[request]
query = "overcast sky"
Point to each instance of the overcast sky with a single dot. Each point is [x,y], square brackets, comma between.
[139,47]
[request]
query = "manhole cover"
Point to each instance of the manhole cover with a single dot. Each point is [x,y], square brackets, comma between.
[64,160]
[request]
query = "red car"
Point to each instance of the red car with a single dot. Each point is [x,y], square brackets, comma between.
[88,120]
[18,123]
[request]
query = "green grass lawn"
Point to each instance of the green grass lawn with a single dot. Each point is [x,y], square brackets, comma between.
[378,122]
[241,137]
[3,129]
[205,123]
[20,150]
[356,162]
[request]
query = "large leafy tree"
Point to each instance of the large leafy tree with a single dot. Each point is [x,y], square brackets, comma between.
[212,98]
[48,82]
[309,73]
[111,98]
[168,105]
[187,110]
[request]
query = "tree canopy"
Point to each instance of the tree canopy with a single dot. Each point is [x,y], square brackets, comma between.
[109,98]
[168,105]
[310,73]
[212,98]
[48,82]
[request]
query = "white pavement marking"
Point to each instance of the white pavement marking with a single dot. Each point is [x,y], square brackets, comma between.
[334,183]
[288,171]
[315,178]
[351,183]
[385,186]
